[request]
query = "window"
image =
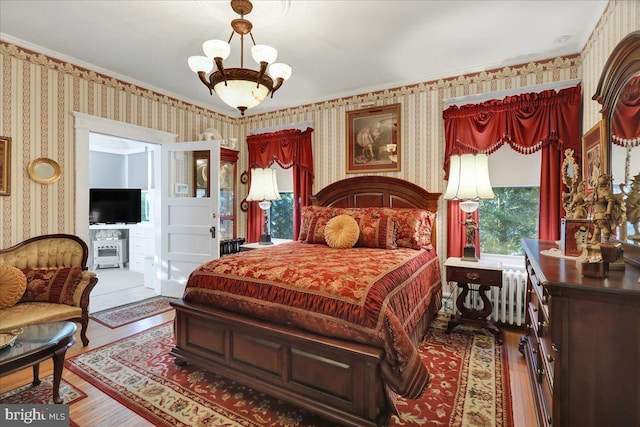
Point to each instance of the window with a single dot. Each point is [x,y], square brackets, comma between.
[281,212]
[510,217]
[281,216]
[513,214]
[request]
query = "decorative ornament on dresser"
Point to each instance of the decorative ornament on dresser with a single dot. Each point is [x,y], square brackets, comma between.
[575,228]
[600,254]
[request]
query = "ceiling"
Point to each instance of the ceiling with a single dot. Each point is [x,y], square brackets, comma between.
[336,48]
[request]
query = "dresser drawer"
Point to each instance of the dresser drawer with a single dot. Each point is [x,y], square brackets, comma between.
[548,355]
[468,275]
[546,395]
[533,312]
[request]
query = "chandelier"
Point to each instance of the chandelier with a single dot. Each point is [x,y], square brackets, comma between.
[241,88]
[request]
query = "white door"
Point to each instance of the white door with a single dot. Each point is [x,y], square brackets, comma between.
[190,218]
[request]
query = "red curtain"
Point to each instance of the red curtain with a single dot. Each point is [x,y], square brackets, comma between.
[547,121]
[290,148]
[626,116]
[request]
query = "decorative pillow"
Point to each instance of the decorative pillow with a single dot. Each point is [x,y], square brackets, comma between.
[317,218]
[12,285]
[377,231]
[341,232]
[414,227]
[316,228]
[52,285]
[309,213]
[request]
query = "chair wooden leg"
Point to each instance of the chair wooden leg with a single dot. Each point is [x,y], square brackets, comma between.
[83,332]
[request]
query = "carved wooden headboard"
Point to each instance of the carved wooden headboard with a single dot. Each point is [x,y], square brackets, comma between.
[376,191]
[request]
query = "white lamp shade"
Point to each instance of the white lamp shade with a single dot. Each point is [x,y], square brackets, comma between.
[264,185]
[200,63]
[263,53]
[469,178]
[454,178]
[241,93]
[483,184]
[216,49]
[280,70]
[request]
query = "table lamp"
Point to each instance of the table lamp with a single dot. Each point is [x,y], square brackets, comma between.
[469,182]
[264,188]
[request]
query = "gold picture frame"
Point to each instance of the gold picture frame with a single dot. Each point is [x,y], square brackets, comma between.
[373,139]
[5,166]
[593,155]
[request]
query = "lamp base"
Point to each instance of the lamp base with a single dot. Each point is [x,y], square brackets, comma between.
[265,239]
[469,254]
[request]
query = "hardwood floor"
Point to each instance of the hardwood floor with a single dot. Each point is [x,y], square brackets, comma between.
[99,410]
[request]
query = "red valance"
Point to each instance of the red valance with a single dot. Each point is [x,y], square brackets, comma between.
[625,129]
[289,148]
[525,122]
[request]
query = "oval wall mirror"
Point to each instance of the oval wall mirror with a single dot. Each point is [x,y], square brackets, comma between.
[45,171]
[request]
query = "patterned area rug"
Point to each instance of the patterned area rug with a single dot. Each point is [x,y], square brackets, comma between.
[42,393]
[470,385]
[129,313]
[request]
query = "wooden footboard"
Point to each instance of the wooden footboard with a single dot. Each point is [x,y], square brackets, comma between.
[335,379]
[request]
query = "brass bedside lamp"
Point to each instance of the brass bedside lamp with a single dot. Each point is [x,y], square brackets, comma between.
[469,182]
[264,188]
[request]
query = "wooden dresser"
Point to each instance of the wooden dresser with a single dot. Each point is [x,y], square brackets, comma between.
[582,345]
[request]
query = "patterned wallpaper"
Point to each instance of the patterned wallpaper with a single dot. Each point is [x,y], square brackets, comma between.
[39,92]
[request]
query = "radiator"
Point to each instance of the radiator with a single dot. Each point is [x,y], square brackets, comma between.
[508,302]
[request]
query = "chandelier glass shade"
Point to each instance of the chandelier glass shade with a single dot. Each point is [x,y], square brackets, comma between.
[241,88]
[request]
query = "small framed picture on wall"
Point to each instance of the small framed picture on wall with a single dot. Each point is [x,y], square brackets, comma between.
[5,166]
[373,139]
[593,155]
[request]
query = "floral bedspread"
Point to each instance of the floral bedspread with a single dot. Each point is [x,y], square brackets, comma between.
[368,295]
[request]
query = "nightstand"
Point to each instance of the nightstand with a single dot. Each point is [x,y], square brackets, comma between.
[482,273]
[252,246]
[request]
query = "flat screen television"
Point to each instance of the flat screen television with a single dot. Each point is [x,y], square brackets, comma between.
[115,205]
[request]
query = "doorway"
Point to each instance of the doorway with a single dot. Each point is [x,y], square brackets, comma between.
[120,252]
[134,137]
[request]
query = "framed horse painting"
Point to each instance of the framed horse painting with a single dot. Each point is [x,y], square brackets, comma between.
[373,139]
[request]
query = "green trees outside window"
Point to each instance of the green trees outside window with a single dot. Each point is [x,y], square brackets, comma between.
[281,217]
[511,216]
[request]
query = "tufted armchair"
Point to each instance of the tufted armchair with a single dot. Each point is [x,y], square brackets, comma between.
[56,279]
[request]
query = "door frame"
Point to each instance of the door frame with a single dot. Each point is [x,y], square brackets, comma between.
[86,124]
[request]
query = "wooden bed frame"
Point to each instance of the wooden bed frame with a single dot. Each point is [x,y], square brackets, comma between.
[335,379]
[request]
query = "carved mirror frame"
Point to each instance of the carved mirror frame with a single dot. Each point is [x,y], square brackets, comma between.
[623,65]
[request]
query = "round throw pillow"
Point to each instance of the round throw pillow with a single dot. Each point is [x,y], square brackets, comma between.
[12,285]
[341,232]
